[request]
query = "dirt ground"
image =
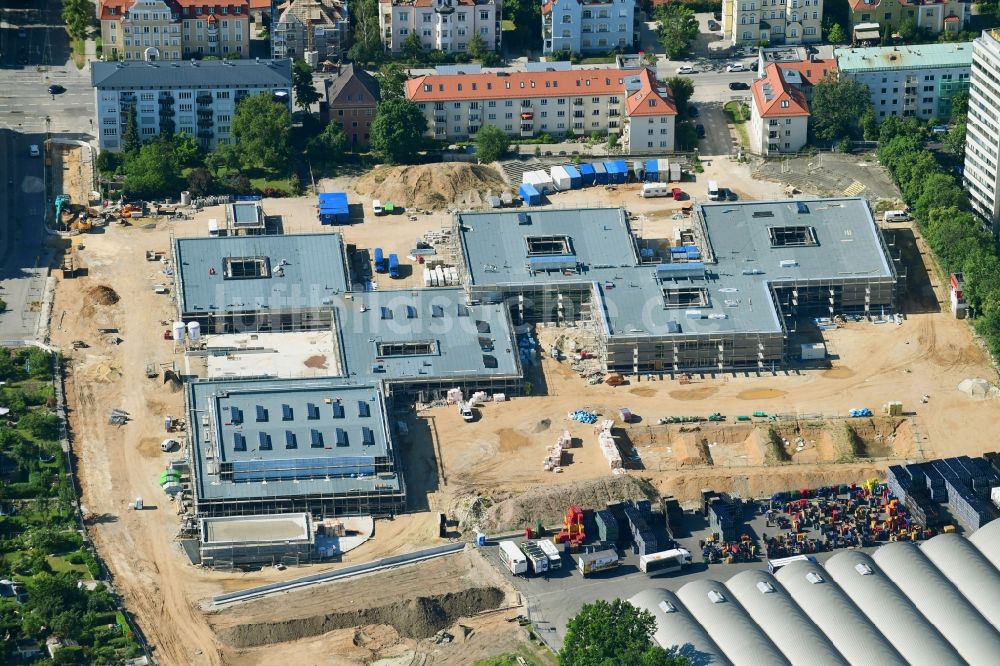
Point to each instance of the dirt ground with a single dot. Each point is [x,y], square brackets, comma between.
[497,456]
[70,172]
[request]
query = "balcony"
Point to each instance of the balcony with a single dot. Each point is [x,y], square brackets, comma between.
[205,98]
[440,120]
[204,112]
[204,123]
[166,100]
[205,134]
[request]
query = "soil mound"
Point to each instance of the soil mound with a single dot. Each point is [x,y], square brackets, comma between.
[103,295]
[420,617]
[548,503]
[431,185]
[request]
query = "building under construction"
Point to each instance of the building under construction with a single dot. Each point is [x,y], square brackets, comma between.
[725,299]
[292,446]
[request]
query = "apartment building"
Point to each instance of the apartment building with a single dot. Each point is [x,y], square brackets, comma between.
[198,97]
[311,25]
[588,26]
[772,21]
[444,25]
[174,29]
[935,16]
[982,140]
[800,68]
[779,115]
[916,81]
[557,100]
[352,97]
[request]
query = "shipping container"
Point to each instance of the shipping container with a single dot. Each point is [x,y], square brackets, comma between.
[602,560]
[587,175]
[531,196]
[513,558]
[380,265]
[576,181]
[600,173]
[560,178]
[813,351]
[675,172]
[617,171]
[652,170]
[393,266]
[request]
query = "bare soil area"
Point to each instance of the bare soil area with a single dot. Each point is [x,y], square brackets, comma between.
[432,185]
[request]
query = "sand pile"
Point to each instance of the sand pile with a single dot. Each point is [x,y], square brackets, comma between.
[102,370]
[431,185]
[419,617]
[102,295]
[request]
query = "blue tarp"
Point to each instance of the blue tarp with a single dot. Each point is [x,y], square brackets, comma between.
[530,195]
[617,171]
[587,174]
[600,173]
[333,208]
[576,181]
[652,171]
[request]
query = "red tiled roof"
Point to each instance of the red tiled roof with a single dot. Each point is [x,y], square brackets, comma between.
[257,5]
[423,3]
[648,101]
[951,18]
[861,5]
[811,71]
[770,92]
[439,87]
[122,6]
[113,9]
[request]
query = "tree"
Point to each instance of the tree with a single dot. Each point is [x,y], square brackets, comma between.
[329,146]
[130,133]
[836,34]
[302,83]
[476,47]
[526,15]
[40,424]
[413,48]
[869,125]
[187,150]
[261,129]
[960,103]
[677,27]
[79,16]
[682,88]
[200,182]
[907,29]
[491,144]
[955,138]
[837,107]
[153,171]
[397,131]
[612,140]
[367,38]
[613,633]
[391,79]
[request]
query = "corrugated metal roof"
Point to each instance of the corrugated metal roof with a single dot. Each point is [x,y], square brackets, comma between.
[850,631]
[182,74]
[677,629]
[777,614]
[734,631]
[973,575]
[937,599]
[987,540]
[890,610]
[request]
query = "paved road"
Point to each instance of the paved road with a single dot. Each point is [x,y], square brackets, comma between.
[34,53]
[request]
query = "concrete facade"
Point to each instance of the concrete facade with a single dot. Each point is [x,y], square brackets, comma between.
[910,81]
[772,21]
[588,26]
[196,98]
[312,25]
[444,25]
[779,115]
[558,101]
[982,145]
[174,29]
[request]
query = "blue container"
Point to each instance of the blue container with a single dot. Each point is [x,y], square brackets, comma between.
[393,266]
[575,180]
[380,266]
[333,208]
[530,195]
[617,171]
[601,176]
[586,175]
[652,171]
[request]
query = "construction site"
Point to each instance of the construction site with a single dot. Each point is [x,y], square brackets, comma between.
[305,319]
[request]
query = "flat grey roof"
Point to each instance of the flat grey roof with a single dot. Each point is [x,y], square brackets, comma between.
[303,271]
[163,74]
[456,335]
[895,607]
[247,214]
[242,529]
[301,436]
[741,264]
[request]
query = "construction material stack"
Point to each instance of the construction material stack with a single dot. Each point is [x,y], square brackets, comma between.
[607,526]
[638,514]
[608,446]
[554,454]
[725,514]
[673,514]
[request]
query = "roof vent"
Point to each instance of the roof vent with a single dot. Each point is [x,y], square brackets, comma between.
[814,578]
[716,597]
[667,607]
[765,587]
[863,569]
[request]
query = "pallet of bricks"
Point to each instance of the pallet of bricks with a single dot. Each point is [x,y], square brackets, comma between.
[638,514]
[908,484]
[673,514]
[961,500]
[607,526]
[724,513]
[554,454]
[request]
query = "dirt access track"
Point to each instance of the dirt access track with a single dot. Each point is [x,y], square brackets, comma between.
[451,465]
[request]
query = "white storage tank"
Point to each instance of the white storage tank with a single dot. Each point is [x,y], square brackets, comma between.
[178,329]
[194,331]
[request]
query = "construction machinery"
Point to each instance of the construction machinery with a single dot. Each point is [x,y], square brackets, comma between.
[61,201]
[572,531]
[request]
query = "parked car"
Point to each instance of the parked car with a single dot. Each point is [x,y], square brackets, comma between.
[755,65]
[701,131]
[692,110]
[56,89]
[738,85]
[685,69]
[735,67]
[713,24]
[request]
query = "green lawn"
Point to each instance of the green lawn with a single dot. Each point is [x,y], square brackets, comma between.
[739,114]
[533,656]
[262,183]
[597,60]
[60,563]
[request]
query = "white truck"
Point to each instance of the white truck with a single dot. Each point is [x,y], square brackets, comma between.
[538,561]
[465,409]
[552,552]
[513,558]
